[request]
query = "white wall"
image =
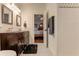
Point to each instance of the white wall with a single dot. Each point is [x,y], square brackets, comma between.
[68,31]
[66,39]
[52,11]
[28,11]
[5,27]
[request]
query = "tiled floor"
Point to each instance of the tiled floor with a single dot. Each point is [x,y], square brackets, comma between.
[42,51]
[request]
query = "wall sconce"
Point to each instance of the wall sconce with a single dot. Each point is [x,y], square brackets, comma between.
[25,25]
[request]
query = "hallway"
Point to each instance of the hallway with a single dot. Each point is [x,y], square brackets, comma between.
[42,51]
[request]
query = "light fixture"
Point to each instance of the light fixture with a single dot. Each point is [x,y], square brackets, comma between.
[41,18]
[25,25]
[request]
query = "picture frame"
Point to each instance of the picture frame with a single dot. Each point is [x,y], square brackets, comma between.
[18,20]
[7,15]
[51,25]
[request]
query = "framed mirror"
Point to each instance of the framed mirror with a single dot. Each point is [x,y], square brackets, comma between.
[7,15]
[18,20]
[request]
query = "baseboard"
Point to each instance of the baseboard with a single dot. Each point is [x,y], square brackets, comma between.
[54,53]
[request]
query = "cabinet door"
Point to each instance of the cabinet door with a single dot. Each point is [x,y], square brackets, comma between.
[4,42]
[26,37]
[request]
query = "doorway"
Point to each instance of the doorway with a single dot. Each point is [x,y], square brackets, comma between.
[38,28]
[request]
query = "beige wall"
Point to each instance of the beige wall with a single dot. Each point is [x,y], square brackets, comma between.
[5,27]
[65,40]
[68,31]
[52,11]
[28,11]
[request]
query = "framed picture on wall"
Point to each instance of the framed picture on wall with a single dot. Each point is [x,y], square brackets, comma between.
[51,25]
[18,20]
[7,15]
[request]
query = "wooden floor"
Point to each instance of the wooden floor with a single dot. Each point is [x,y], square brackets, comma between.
[38,40]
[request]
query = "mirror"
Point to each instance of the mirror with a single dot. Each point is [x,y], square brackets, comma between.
[7,15]
[18,20]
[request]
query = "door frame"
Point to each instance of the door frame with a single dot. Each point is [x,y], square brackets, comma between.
[43,27]
[47,42]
